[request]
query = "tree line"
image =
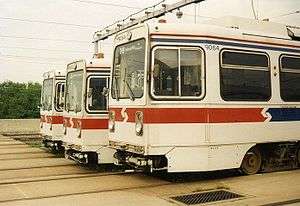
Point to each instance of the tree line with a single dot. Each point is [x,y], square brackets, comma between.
[19,100]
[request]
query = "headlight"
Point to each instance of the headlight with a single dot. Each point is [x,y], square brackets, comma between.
[139,123]
[111,121]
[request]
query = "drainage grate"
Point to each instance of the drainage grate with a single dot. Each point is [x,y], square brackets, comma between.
[205,197]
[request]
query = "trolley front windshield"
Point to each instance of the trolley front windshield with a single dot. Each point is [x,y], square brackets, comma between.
[47,94]
[74,91]
[128,71]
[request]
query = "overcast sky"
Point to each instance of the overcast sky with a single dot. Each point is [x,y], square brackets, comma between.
[28,49]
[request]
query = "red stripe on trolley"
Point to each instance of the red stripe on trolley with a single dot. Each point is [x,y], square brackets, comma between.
[86,123]
[52,119]
[191,115]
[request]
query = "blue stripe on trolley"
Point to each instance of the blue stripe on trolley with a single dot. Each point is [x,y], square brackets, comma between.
[284,114]
[284,49]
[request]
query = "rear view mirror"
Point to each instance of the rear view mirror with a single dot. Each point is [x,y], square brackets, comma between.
[156,71]
[77,108]
[90,97]
[105,91]
[90,92]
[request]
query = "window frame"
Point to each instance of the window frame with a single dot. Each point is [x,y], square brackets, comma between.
[244,67]
[144,69]
[288,71]
[52,94]
[96,76]
[202,70]
[55,97]
[67,88]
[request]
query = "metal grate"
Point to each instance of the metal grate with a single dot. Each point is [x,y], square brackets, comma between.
[205,197]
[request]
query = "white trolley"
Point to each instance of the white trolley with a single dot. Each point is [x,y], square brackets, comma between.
[86,112]
[51,109]
[205,97]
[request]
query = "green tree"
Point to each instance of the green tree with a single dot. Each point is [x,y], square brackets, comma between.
[19,100]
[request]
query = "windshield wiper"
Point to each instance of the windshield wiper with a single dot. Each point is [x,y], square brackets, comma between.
[115,88]
[67,101]
[130,93]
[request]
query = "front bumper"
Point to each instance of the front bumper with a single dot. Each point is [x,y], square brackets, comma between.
[141,162]
[54,145]
[77,156]
[136,149]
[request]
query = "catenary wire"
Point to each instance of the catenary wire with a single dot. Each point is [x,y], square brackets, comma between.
[33,57]
[43,49]
[106,4]
[49,39]
[47,22]
[30,62]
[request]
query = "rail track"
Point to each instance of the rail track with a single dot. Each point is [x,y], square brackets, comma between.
[23,168]
[30,175]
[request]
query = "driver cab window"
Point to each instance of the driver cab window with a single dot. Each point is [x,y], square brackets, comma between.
[95,99]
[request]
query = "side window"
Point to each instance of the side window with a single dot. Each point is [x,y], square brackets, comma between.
[59,96]
[177,73]
[96,101]
[165,72]
[290,78]
[245,76]
[190,72]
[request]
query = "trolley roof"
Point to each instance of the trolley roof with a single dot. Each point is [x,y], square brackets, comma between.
[98,63]
[54,74]
[93,64]
[231,27]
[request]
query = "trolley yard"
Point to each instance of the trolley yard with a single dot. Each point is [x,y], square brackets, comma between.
[205,114]
[31,176]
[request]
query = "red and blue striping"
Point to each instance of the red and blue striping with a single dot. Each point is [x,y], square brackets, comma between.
[209,115]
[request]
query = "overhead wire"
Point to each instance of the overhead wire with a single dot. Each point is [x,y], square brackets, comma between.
[106,4]
[31,62]
[43,39]
[286,14]
[253,10]
[47,22]
[49,39]
[201,16]
[33,57]
[43,49]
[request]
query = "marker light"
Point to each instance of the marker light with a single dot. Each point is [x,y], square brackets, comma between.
[111,121]
[139,123]
[79,129]
[65,126]
[162,21]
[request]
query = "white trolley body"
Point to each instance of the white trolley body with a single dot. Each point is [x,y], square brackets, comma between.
[51,110]
[86,112]
[206,97]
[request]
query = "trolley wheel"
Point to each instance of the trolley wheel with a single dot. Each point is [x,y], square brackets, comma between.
[252,162]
